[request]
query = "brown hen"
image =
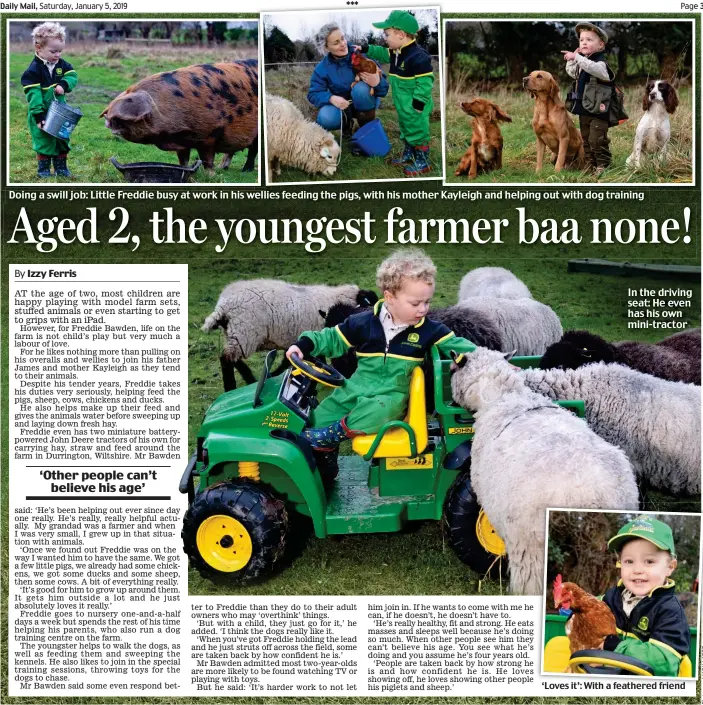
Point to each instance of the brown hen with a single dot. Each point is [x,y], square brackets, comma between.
[591,620]
[362,64]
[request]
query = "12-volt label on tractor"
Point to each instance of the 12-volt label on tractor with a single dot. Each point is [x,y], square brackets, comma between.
[463,430]
[276,419]
[422,462]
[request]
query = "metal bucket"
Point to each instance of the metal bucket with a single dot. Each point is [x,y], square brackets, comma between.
[61,120]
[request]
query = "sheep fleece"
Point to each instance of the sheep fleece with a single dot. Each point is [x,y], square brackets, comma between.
[656,422]
[294,141]
[492,281]
[529,454]
[680,362]
[524,325]
[660,361]
[264,314]
[687,342]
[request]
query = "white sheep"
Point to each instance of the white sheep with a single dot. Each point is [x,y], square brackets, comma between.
[529,454]
[294,141]
[656,422]
[492,281]
[264,314]
[524,325]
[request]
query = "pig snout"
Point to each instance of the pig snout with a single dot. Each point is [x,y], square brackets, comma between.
[128,110]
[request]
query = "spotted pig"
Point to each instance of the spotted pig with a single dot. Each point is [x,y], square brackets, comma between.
[208,107]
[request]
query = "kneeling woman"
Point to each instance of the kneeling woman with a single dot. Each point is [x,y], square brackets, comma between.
[332,87]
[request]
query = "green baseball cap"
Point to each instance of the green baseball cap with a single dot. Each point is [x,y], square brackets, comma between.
[399,19]
[647,528]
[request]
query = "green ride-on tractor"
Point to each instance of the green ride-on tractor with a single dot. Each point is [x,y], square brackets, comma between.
[251,468]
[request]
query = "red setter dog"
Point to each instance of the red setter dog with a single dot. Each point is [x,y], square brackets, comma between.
[486,150]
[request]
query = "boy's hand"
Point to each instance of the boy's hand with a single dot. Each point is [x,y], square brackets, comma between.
[610,643]
[355,47]
[370,79]
[339,102]
[59,90]
[569,55]
[294,349]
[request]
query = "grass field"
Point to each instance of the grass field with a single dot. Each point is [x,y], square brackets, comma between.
[416,561]
[519,150]
[104,71]
[293,82]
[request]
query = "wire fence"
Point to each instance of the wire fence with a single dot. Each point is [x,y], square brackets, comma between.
[435,57]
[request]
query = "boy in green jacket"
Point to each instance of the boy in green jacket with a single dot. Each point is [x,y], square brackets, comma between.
[411,79]
[48,78]
[390,341]
[651,623]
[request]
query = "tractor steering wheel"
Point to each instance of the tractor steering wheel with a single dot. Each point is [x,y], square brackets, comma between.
[607,663]
[317,370]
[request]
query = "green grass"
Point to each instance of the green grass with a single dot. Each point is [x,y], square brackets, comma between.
[100,79]
[292,82]
[417,560]
[519,150]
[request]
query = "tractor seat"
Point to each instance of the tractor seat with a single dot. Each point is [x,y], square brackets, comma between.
[557,653]
[686,667]
[396,441]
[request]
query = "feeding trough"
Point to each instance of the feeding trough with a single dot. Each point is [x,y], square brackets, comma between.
[155,172]
[61,120]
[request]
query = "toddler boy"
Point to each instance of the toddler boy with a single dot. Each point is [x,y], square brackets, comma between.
[390,341]
[411,79]
[588,102]
[650,621]
[48,78]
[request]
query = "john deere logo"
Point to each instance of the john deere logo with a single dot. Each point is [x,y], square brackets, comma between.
[59,70]
[413,338]
[642,526]
[643,624]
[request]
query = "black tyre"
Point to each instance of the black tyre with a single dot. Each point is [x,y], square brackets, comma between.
[237,529]
[470,533]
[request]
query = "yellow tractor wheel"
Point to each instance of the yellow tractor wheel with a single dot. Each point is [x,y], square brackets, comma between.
[235,529]
[470,532]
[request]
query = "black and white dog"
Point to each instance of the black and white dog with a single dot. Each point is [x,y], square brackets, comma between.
[654,130]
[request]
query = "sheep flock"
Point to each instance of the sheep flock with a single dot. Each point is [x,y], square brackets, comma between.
[642,401]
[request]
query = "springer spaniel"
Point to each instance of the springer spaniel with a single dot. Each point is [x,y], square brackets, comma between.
[654,131]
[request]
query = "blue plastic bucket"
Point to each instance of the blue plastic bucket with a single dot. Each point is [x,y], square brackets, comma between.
[371,140]
[61,120]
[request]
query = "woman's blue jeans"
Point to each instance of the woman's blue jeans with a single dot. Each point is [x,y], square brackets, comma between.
[330,116]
